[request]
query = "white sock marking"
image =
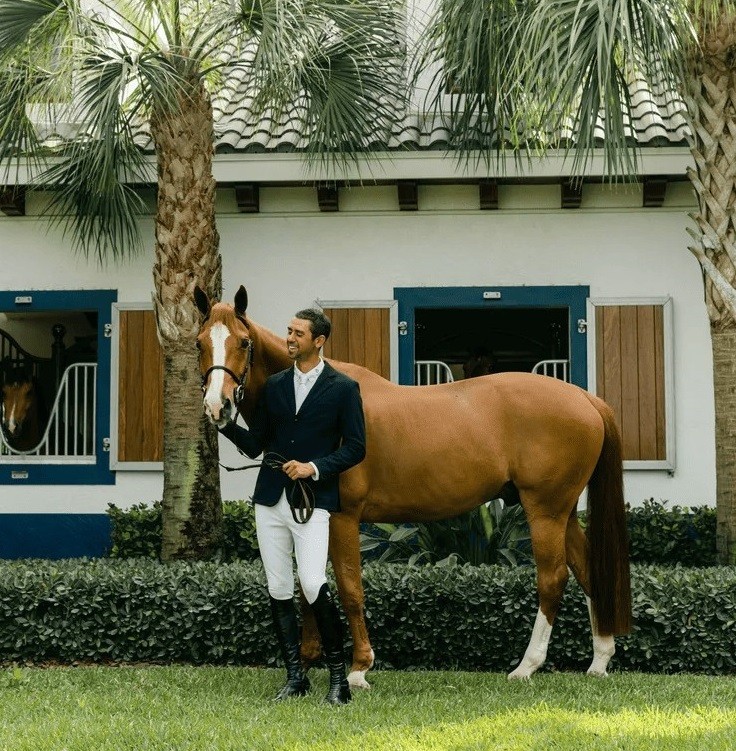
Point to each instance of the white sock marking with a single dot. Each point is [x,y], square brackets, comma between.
[604,647]
[536,652]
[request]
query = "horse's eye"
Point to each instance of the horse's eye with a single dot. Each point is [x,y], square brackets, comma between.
[245,343]
[198,344]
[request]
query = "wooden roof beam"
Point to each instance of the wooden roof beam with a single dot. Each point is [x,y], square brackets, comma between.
[328,198]
[571,194]
[654,191]
[408,191]
[13,201]
[247,196]
[488,195]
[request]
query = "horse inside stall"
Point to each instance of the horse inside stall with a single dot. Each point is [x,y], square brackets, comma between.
[22,421]
[533,435]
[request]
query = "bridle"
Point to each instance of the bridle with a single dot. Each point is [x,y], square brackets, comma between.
[240,381]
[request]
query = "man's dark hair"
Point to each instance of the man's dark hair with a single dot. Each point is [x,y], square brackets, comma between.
[318,321]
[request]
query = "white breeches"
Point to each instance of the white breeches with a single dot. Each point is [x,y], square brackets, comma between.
[278,536]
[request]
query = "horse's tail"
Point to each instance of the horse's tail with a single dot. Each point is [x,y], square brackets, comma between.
[610,580]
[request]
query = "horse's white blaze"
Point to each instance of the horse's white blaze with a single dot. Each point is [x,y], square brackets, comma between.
[536,652]
[213,396]
[11,421]
[604,647]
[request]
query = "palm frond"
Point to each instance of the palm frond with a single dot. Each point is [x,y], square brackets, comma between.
[92,177]
[92,84]
[344,79]
[467,74]
[583,54]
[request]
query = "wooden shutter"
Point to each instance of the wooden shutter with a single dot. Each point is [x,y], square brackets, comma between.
[631,375]
[360,336]
[140,388]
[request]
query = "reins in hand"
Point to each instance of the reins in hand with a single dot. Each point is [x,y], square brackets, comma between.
[300,496]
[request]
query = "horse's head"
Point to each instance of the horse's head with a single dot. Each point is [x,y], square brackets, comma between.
[225,354]
[480,364]
[18,401]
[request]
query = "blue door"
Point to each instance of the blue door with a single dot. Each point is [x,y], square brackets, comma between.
[434,319]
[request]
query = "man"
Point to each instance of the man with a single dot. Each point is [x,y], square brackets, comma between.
[312,416]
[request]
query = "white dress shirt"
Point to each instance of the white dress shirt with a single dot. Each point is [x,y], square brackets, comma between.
[303,383]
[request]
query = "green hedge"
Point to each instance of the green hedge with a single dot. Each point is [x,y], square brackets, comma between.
[658,535]
[419,617]
[668,536]
[136,532]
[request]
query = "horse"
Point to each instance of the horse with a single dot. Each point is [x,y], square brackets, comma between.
[480,363]
[524,435]
[22,424]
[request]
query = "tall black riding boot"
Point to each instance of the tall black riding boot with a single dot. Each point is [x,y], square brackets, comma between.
[330,630]
[287,631]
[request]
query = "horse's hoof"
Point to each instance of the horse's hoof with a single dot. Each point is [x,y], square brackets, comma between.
[597,672]
[523,672]
[356,679]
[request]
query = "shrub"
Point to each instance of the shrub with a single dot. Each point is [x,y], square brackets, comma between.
[463,617]
[490,534]
[136,532]
[667,536]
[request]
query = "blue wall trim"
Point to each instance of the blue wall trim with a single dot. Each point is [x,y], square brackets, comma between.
[572,297]
[99,300]
[54,535]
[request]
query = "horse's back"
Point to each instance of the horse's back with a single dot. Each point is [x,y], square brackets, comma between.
[462,441]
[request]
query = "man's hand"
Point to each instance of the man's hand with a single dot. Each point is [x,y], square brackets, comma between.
[298,470]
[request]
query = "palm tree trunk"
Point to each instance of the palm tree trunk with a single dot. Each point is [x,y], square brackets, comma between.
[712,108]
[724,364]
[187,253]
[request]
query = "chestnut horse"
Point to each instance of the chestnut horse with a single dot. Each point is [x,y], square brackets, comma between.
[434,452]
[21,422]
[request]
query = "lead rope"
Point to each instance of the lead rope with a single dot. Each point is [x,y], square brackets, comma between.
[301,503]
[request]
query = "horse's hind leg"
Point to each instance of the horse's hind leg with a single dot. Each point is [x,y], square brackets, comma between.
[578,554]
[345,556]
[548,545]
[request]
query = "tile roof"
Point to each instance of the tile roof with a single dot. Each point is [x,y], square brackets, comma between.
[657,121]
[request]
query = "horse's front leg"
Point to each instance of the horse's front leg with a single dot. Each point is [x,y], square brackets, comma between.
[345,555]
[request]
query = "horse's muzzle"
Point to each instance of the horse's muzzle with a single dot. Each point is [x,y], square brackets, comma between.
[219,415]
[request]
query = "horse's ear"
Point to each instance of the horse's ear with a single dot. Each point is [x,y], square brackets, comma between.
[241,301]
[202,301]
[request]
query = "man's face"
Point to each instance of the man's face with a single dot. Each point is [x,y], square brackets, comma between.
[299,341]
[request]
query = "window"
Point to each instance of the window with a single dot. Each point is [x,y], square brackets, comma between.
[55,352]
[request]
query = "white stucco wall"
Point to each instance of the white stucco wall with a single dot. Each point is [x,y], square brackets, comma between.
[289,255]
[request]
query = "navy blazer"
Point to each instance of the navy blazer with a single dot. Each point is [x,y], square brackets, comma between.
[329,430]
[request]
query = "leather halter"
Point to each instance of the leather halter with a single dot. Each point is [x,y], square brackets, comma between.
[241,382]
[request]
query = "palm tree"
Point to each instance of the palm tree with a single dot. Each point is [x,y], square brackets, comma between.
[533,72]
[101,70]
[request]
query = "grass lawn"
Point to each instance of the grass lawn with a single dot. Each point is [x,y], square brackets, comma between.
[208,708]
